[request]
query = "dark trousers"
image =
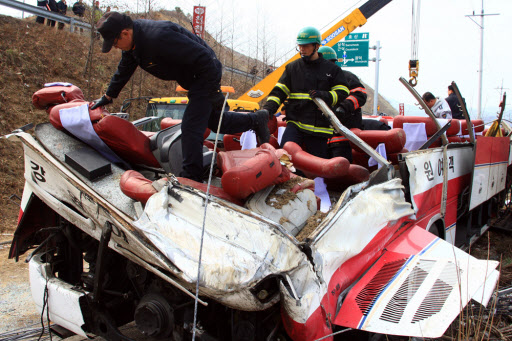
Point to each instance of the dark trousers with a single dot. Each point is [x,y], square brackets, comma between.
[199,115]
[342,149]
[315,145]
[41,5]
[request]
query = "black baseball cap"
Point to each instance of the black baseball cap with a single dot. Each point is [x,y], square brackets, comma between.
[110,26]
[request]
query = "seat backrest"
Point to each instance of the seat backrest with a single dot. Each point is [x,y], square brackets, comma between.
[125,140]
[356,174]
[231,142]
[54,95]
[160,145]
[394,139]
[430,126]
[54,112]
[166,147]
[478,125]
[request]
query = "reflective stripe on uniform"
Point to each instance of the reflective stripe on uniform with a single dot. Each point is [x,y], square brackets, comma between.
[275,99]
[360,89]
[298,95]
[334,97]
[284,88]
[340,87]
[337,139]
[354,100]
[313,129]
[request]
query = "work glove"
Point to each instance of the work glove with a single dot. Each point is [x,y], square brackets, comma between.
[340,112]
[321,94]
[101,102]
[216,99]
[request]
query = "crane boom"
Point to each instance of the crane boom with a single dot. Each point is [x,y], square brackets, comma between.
[338,31]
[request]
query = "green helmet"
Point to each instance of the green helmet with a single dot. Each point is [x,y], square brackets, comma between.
[309,35]
[328,53]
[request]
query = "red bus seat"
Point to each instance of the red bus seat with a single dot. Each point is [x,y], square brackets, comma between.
[54,95]
[245,172]
[393,139]
[134,185]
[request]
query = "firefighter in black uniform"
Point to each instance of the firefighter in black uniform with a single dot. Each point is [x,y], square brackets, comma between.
[170,52]
[309,77]
[453,102]
[349,111]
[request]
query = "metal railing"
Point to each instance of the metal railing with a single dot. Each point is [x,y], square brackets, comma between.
[239,72]
[72,22]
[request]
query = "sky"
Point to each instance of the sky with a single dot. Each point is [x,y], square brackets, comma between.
[448,45]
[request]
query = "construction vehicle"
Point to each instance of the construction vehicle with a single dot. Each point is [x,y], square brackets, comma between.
[174,107]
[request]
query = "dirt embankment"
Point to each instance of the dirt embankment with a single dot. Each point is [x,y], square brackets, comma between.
[32,55]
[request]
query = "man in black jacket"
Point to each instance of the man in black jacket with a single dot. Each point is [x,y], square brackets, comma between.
[43,4]
[453,102]
[79,8]
[309,77]
[170,52]
[62,7]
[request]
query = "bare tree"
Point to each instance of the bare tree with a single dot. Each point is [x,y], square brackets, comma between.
[88,70]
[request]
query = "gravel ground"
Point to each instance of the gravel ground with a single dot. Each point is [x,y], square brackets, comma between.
[17,310]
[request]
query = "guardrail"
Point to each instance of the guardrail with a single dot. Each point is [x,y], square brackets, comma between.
[240,72]
[72,22]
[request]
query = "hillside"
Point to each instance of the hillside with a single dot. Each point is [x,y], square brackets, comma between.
[32,55]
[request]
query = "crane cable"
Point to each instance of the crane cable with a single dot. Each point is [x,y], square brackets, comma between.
[414,63]
[203,227]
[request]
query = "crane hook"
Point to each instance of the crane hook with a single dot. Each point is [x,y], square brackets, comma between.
[414,66]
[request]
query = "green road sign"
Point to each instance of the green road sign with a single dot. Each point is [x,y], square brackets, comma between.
[352,53]
[358,36]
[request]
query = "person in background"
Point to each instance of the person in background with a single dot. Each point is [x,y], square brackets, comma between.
[349,111]
[42,4]
[439,106]
[62,8]
[170,52]
[52,5]
[79,8]
[96,12]
[308,77]
[453,102]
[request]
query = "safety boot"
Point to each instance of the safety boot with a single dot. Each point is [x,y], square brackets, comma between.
[260,126]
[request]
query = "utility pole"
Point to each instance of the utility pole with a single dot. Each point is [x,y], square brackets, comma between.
[480,70]
[501,88]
